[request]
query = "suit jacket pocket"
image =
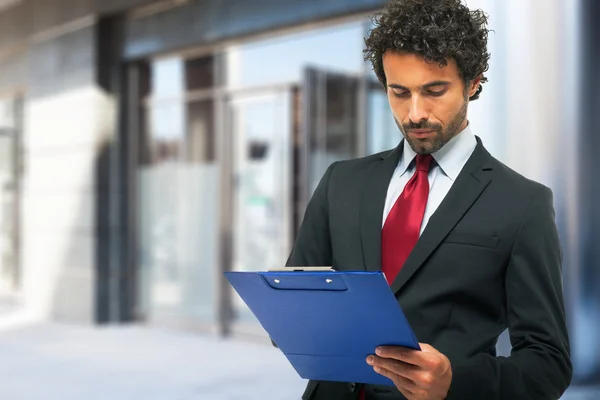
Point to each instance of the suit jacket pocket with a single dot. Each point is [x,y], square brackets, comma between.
[472,239]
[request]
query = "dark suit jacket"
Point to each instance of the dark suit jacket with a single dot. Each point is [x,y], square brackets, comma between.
[488,259]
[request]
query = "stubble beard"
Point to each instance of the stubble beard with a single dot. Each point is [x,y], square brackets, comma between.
[440,137]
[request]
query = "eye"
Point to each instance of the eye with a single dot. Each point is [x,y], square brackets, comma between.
[436,93]
[400,92]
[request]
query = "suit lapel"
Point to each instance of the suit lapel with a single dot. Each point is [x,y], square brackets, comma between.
[372,202]
[467,188]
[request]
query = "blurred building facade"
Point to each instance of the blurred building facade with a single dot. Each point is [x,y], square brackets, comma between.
[148,146]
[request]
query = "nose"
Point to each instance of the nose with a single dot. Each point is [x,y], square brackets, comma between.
[417,111]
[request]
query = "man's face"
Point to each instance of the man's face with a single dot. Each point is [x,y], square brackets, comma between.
[429,103]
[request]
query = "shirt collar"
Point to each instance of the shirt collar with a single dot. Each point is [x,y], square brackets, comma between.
[451,158]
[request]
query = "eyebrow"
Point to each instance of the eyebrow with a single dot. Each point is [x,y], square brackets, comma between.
[425,86]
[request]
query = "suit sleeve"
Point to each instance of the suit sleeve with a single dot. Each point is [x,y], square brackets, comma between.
[539,366]
[312,246]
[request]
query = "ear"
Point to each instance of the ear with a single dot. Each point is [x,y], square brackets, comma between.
[474,85]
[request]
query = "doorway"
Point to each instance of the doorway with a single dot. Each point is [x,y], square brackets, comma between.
[224,175]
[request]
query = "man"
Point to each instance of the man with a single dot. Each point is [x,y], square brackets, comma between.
[468,246]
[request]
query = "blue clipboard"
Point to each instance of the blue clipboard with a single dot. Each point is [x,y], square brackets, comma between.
[327,323]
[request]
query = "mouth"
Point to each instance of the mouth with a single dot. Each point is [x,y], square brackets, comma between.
[421,133]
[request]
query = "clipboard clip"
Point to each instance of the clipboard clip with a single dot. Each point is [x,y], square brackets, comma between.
[302,269]
[290,280]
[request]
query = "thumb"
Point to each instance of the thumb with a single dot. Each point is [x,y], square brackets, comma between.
[427,348]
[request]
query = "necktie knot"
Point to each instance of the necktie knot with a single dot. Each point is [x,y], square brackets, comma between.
[424,162]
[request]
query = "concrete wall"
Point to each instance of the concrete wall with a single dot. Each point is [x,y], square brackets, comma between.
[62,139]
[49,53]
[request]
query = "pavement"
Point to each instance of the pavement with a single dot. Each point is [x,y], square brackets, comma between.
[44,360]
[53,361]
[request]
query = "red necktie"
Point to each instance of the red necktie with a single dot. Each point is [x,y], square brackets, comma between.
[403,225]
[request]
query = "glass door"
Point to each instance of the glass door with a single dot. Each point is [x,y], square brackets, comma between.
[178,196]
[262,184]
[346,116]
[332,120]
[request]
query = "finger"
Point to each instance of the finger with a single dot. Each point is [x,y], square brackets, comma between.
[398,367]
[406,355]
[405,386]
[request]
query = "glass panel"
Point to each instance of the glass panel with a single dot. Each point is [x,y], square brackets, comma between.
[382,131]
[167,131]
[283,59]
[179,209]
[333,126]
[201,144]
[167,78]
[262,194]
[199,73]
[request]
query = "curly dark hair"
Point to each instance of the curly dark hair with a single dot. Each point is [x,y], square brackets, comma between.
[437,30]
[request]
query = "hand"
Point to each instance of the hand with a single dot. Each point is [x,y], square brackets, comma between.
[418,375]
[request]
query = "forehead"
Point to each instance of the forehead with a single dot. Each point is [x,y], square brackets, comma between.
[411,70]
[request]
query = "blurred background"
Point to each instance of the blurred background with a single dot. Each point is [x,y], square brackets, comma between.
[148,146]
